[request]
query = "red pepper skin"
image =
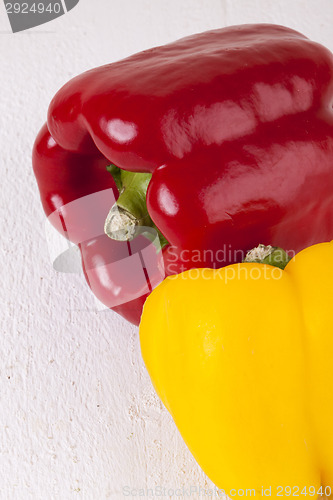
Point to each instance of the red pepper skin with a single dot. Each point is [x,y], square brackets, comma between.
[96,253]
[65,177]
[236,126]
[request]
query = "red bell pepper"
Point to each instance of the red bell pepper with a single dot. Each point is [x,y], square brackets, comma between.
[235,128]
[76,190]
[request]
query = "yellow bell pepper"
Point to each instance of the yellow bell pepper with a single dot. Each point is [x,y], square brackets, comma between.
[242,358]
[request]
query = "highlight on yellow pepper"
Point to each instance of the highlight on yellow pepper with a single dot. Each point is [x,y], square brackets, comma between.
[242,358]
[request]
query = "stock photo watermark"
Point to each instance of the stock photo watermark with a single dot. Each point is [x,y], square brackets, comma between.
[195,491]
[77,244]
[121,271]
[26,14]
[170,492]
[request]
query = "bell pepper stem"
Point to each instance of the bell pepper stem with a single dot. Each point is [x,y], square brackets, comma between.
[130,212]
[266,254]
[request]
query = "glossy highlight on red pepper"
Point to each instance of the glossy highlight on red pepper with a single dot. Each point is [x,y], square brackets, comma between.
[236,127]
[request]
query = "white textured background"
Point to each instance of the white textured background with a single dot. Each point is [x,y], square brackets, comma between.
[78,416]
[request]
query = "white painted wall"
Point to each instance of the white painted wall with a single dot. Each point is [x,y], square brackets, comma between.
[79,418]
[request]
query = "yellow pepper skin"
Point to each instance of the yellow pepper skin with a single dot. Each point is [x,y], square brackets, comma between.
[242,359]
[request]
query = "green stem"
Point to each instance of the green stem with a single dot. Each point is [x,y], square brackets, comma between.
[273,256]
[130,211]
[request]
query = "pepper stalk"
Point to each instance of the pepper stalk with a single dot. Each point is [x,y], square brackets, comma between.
[266,254]
[130,212]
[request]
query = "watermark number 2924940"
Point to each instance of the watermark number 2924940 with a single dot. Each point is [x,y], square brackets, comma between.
[26,14]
